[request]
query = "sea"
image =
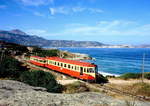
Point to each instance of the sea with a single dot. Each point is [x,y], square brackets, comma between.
[117,61]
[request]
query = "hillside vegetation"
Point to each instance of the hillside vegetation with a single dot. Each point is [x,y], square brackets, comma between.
[45,53]
[135,76]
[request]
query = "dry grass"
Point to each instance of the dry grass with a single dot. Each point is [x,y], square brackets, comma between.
[4,78]
[135,87]
[75,87]
[78,87]
[141,89]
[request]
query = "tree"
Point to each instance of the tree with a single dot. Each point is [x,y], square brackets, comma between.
[11,68]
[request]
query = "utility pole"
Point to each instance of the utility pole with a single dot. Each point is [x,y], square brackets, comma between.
[143,67]
[2,55]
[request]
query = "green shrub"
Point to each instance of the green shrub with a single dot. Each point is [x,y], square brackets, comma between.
[147,75]
[11,68]
[130,75]
[110,76]
[135,75]
[101,79]
[65,55]
[41,79]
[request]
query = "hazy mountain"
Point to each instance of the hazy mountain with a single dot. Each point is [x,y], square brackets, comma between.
[17,31]
[20,37]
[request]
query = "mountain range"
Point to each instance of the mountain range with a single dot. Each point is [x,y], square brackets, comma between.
[20,37]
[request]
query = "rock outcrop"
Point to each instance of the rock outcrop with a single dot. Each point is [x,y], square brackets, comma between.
[14,93]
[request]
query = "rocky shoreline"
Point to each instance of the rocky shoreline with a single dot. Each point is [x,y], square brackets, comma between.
[14,93]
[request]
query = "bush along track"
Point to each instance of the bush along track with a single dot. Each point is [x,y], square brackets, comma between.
[41,79]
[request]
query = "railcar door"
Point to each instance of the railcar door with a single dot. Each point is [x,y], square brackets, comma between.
[81,70]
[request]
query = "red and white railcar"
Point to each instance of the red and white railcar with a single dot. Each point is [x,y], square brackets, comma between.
[78,69]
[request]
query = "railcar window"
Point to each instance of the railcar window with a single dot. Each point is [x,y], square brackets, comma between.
[75,67]
[91,70]
[64,65]
[81,70]
[61,64]
[84,69]
[68,66]
[58,64]
[72,67]
[88,70]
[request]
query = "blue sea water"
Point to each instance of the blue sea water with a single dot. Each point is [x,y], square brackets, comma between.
[117,61]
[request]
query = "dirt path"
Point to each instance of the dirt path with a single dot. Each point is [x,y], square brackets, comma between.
[67,81]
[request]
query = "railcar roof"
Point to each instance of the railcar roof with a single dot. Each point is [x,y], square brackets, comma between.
[75,62]
[38,57]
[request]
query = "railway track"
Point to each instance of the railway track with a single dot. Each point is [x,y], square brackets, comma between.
[92,85]
[108,89]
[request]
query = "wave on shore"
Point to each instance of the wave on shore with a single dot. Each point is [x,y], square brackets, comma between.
[105,74]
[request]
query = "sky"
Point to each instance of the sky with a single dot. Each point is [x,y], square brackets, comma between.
[106,21]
